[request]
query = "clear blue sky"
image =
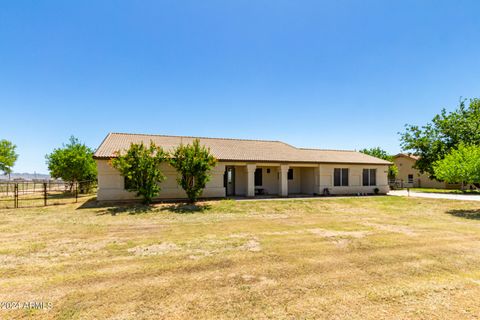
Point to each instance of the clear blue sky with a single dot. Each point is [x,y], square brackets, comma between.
[327,74]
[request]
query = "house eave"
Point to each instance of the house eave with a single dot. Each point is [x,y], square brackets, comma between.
[281,161]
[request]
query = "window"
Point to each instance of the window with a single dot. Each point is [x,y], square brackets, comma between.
[410,178]
[258,177]
[369,177]
[340,177]
[290,174]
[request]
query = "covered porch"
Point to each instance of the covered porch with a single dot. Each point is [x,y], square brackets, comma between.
[270,180]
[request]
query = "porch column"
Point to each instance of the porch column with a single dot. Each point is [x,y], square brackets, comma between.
[251,180]
[317,185]
[283,180]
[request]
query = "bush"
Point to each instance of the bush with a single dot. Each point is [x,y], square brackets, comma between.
[141,168]
[193,163]
[72,163]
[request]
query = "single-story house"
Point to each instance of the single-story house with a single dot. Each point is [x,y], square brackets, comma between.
[410,177]
[252,167]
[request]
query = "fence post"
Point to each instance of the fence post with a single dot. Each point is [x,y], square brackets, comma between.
[44,193]
[76,192]
[15,195]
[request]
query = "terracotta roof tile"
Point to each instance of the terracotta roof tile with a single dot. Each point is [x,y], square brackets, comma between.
[408,155]
[236,149]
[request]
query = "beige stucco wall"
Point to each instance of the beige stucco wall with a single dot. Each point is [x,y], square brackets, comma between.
[111,184]
[405,167]
[269,179]
[355,179]
[294,185]
[307,179]
[240,180]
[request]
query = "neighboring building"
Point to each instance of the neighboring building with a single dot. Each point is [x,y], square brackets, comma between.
[252,167]
[410,177]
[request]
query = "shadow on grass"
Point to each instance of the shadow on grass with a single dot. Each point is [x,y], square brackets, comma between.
[473,214]
[137,208]
[116,208]
[91,203]
[129,209]
[186,208]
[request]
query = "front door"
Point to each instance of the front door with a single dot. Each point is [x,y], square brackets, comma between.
[229,180]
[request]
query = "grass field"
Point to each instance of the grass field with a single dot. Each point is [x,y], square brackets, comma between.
[351,258]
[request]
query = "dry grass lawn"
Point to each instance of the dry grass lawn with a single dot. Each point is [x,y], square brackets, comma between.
[358,258]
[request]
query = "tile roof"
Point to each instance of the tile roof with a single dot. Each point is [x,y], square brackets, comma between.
[236,149]
[407,155]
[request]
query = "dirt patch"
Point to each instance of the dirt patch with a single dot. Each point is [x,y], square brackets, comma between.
[251,245]
[239,235]
[283,233]
[12,261]
[258,280]
[332,233]
[392,228]
[341,243]
[58,250]
[201,248]
[155,249]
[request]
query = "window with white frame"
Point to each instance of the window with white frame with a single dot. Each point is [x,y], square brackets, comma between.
[340,177]
[369,177]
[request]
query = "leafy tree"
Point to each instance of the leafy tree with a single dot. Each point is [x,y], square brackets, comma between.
[8,157]
[461,165]
[382,154]
[72,163]
[193,163]
[446,131]
[140,166]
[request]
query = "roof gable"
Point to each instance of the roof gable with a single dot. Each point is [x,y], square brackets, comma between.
[407,155]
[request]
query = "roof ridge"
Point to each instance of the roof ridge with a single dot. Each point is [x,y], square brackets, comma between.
[213,138]
[408,155]
[319,149]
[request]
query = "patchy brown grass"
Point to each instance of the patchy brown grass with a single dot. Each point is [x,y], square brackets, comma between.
[359,258]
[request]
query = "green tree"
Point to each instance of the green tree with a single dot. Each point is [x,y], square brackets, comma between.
[8,157]
[72,163]
[140,166]
[446,131]
[193,163]
[382,154]
[461,165]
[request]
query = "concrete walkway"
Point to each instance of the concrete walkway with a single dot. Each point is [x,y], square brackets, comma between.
[450,196]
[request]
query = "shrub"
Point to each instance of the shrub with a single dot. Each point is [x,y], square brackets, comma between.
[193,163]
[140,166]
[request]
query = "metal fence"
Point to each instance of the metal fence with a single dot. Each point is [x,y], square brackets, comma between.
[400,184]
[21,194]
